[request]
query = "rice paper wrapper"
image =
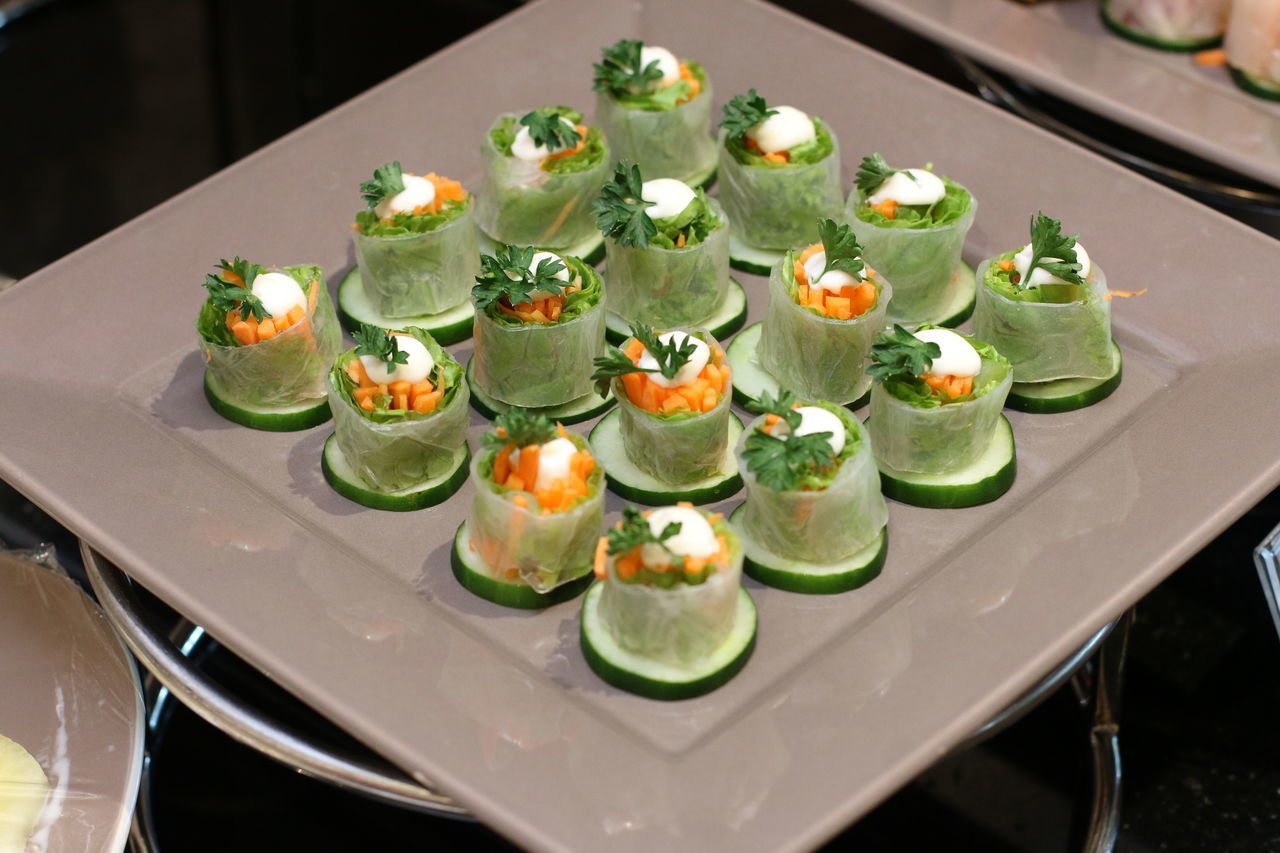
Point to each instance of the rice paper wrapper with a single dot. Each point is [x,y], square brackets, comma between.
[679,625]
[919,261]
[824,526]
[1251,39]
[941,439]
[538,364]
[816,357]
[780,208]
[288,369]
[670,143]
[400,454]
[1048,340]
[418,274]
[669,287]
[544,551]
[522,205]
[681,449]
[1172,20]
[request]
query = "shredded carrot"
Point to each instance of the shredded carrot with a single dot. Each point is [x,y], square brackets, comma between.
[1213,57]
[1005,265]
[694,86]
[887,208]
[602,557]
[1124,294]
[422,397]
[952,386]
[773,157]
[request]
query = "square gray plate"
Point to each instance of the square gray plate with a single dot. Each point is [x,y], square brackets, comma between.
[847,697]
[1063,47]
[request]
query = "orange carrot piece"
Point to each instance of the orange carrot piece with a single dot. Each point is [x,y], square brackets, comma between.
[367,403]
[634,350]
[694,86]
[634,384]
[778,157]
[355,370]
[690,395]
[502,465]
[400,401]
[1212,57]
[710,401]
[651,399]
[864,296]
[802,293]
[423,387]
[1005,265]
[588,465]
[515,481]
[528,467]
[431,400]
[266,329]
[521,501]
[245,333]
[809,251]
[602,558]
[366,393]
[400,386]
[675,403]
[887,208]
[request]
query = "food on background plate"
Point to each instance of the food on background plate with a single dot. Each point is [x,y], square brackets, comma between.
[539,504]
[672,436]
[1169,24]
[416,253]
[1047,309]
[814,520]
[399,408]
[667,251]
[826,307]
[1253,39]
[655,110]
[540,322]
[936,428]
[669,618]
[542,172]
[24,787]
[912,224]
[779,172]
[268,338]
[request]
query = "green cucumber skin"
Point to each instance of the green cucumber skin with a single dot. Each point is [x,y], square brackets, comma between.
[719,332]
[516,596]
[746,400]
[445,335]
[718,491]
[292,421]
[663,691]
[1151,41]
[366,496]
[490,413]
[964,314]
[828,584]
[1058,405]
[957,497]
[1253,87]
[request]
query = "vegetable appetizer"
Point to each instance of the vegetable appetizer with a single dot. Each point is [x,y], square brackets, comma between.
[779,172]
[814,520]
[912,224]
[1169,24]
[542,172]
[672,436]
[1047,309]
[1253,36]
[667,250]
[268,337]
[655,111]
[539,325]
[539,504]
[936,428]
[826,307]
[400,421]
[669,619]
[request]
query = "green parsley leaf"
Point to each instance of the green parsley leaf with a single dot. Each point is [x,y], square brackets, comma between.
[635,532]
[783,405]
[548,130]
[670,357]
[1052,251]
[370,340]
[227,294]
[241,269]
[520,428]
[620,71]
[506,275]
[388,180]
[620,211]
[842,250]
[782,463]
[898,354]
[744,112]
[874,171]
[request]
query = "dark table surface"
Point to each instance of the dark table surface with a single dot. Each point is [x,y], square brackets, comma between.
[112,106]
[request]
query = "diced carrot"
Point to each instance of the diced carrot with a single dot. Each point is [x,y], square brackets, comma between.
[691,396]
[778,157]
[553,313]
[634,384]
[431,400]
[355,371]
[802,292]
[520,501]
[400,401]
[366,393]
[650,399]
[1005,265]
[1212,57]
[602,558]
[528,467]
[816,298]
[245,333]
[837,305]
[502,465]
[568,152]
[423,387]
[231,278]
[515,481]
[400,386]
[809,251]
[676,402]
[887,208]
[367,403]
[694,565]
[627,565]
[588,465]
[537,316]
[864,296]
[635,349]
[710,401]
[694,86]
[383,389]
[713,377]
[266,329]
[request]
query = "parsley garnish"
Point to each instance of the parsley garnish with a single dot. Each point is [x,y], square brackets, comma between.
[520,428]
[388,180]
[1051,251]
[506,273]
[671,356]
[370,340]
[635,532]
[898,354]
[841,249]
[620,211]
[226,295]
[620,71]
[548,130]
[785,463]
[874,171]
[744,112]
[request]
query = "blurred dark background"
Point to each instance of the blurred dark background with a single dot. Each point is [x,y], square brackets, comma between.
[112,106]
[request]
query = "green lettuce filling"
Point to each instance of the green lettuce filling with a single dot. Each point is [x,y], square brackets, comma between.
[592,153]
[1001,281]
[694,223]
[916,392]
[447,371]
[948,209]
[484,465]
[408,222]
[586,297]
[664,98]
[802,155]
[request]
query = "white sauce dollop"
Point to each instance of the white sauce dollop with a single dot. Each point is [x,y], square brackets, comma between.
[524,147]
[416,369]
[554,462]
[783,131]
[279,293]
[816,419]
[417,192]
[667,63]
[1022,260]
[669,197]
[696,537]
[832,280]
[927,188]
[958,357]
[698,360]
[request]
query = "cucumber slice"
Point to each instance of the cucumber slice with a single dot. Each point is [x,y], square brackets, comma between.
[1181,45]
[810,578]
[635,674]
[727,319]
[268,418]
[575,411]
[751,259]
[355,307]
[1255,85]
[750,380]
[340,476]
[985,480]
[590,251]
[630,483]
[706,180]
[1065,395]
[965,296]
[472,573]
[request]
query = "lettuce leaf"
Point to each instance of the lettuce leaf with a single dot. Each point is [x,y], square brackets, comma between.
[403,224]
[950,208]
